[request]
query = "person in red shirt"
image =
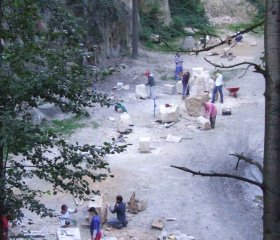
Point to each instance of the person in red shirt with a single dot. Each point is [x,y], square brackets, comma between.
[5,226]
[210,110]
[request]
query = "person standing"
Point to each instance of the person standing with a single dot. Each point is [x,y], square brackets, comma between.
[119,208]
[151,83]
[95,224]
[218,87]
[210,110]
[179,65]
[64,216]
[185,82]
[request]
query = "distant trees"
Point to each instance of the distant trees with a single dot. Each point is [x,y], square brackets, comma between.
[41,52]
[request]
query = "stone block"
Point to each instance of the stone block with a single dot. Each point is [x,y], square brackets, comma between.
[179,87]
[168,114]
[124,122]
[194,106]
[203,123]
[169,89]
[144,144]
[100,206]
[197,71]
[158,223]
[141,91]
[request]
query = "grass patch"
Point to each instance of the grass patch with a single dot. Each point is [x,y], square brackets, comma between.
[67,126]
[95,125]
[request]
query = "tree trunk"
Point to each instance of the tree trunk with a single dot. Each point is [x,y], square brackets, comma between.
[271,217]
[135,29]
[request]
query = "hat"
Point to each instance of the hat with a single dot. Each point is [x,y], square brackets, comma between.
[147,73]
[92,209]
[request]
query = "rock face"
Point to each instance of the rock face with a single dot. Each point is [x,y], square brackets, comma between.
[203,123]
[189,43]
[124,122]
[141,91]
[168,114]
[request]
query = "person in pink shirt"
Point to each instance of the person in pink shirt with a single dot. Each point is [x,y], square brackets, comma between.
[210,110]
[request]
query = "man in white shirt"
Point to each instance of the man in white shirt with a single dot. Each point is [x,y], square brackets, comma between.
[218,87]
[64,216]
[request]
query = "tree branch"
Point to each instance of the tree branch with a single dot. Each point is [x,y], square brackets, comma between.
[258,69]
[248,160]
[204,49]
[220,175]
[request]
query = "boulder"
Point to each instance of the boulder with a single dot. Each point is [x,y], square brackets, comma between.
[141,91]
[168,113]
[169,89]
[179,87]
[203,123]
[201,85]
[253,44]
[124,122]
[188,43]
[135,205]
[37,116]
[194,105]
[154,38]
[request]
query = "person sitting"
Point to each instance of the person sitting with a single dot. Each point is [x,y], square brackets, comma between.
[64,216]
[119,208]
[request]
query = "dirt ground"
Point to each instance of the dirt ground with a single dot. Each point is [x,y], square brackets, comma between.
[205,208]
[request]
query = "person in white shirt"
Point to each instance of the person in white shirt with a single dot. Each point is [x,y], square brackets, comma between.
[64,216]
[218,87]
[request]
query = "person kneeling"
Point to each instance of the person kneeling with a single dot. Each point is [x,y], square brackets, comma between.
[119,208]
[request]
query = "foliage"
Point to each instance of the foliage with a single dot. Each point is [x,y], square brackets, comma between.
[67,126]
[191,12]
[40,62]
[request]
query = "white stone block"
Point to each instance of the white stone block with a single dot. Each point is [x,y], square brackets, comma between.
[141,91]
[197,71]
[203,123]
[179,87]
[169,89]
[124,122]
[168,114]
[144,144]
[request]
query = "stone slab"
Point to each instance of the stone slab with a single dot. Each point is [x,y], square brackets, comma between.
[158,223]
[168,114]
[141,91]
[100,206]
[68,234]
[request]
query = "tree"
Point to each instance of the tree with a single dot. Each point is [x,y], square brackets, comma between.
[135,29]
[41,52]
[271,160]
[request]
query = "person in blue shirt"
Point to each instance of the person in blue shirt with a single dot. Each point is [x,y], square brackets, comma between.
[119,208]
[179,65]
[95,224]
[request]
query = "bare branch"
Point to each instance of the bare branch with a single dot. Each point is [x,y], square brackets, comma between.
[258,68]
[248,160]
[220,175]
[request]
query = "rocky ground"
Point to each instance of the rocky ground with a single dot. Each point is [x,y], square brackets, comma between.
[205,208]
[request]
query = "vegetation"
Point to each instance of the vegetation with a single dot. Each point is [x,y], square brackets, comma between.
[40,61]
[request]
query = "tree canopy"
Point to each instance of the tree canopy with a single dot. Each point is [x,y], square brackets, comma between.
[41,55]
